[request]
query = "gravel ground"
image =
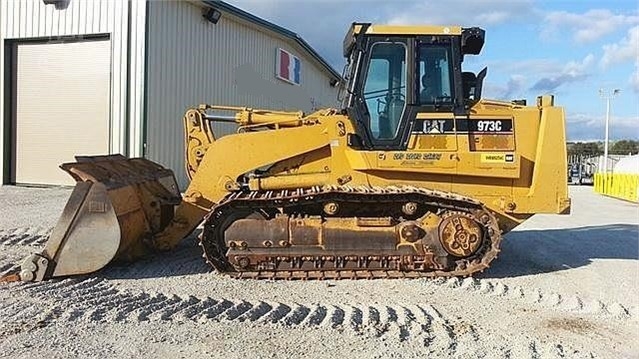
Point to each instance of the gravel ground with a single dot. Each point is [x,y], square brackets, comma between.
[564,286]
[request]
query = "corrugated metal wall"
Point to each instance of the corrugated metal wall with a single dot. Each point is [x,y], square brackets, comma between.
[137,57]
[192,61]
[31,19]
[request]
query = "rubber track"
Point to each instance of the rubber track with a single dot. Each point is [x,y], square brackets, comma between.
[440,199]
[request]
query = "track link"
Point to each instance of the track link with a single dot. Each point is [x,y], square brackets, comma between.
[268,202]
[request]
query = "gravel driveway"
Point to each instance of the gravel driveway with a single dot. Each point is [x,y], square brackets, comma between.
[564,287]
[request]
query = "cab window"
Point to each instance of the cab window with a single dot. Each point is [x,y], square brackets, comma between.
[435,74]
[385,88]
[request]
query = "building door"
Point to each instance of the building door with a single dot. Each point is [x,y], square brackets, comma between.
[62,107]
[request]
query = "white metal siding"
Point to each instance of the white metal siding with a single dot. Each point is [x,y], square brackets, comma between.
[137,55]
[28,19]
[62,107]
[192,61]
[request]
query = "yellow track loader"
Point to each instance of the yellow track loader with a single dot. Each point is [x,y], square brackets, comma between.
[415,176]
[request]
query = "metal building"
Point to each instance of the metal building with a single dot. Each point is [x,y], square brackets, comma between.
[115,76]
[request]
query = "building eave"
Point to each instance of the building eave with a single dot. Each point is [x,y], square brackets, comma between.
[225,7]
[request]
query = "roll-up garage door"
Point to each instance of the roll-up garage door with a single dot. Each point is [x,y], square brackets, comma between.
[62,108]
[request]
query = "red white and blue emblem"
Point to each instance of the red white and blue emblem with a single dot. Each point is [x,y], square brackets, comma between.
[288,67]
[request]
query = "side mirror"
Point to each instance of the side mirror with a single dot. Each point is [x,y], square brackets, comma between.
[472,85]
[469,83]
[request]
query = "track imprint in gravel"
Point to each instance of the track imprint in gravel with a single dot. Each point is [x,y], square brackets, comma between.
[33,236]
[94,299]
[184,260]
[89,300]
[548,300]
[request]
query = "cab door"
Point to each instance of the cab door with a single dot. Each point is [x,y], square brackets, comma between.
[382,109]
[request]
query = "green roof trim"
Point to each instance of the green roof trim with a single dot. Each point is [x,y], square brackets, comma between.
[223,6]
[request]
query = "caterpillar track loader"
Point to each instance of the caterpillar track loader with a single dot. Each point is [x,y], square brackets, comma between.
[415,176]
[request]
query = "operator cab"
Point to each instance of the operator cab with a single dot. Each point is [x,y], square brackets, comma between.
[395,72]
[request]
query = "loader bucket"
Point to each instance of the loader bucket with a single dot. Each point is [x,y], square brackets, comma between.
[116,207]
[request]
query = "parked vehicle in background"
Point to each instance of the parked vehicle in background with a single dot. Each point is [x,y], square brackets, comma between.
[581,169]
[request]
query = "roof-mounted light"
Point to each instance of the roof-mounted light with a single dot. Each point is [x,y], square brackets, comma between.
[472,40]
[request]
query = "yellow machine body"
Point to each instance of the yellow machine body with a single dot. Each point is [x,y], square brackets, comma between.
[516,174]
[476,167]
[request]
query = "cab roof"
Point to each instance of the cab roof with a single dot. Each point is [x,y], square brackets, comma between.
[397,30]
[408,30]
[472,39]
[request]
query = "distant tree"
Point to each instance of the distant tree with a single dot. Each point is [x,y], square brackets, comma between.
[584,149]
[625,147]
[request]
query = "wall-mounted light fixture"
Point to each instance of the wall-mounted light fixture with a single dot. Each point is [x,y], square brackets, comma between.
[212,15]
[59,4]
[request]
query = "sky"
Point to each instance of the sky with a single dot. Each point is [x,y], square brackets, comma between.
[568,48]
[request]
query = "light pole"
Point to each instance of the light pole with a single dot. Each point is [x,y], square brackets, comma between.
[606,95]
